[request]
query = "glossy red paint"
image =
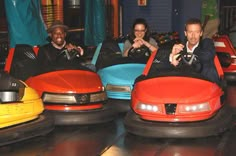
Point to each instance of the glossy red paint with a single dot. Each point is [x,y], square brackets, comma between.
[149,63]
[165,90]
[66,81]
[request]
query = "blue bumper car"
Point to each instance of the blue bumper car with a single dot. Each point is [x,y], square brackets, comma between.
[117,74]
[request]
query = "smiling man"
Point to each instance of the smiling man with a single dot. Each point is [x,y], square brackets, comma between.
[203,49]
[48,54]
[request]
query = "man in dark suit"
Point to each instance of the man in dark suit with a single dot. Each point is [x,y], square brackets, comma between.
[203,48]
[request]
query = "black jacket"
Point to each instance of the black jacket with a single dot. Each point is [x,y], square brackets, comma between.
[50,58]
[206,54]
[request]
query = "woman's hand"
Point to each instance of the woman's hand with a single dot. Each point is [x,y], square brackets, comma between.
[141,42]
[137,43]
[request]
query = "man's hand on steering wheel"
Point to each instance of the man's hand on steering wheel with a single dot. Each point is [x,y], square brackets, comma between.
[69,55]
[71,52]
[70,47]
[179,55]
[189,58]
[175,53]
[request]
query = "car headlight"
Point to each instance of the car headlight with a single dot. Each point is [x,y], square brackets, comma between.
[74,98]
[116,88]
[9,96]
[149,108]
[59,98]
[194,108]
[97,97]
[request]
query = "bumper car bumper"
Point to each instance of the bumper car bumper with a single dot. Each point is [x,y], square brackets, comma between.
[84,117]
[38,127]
[222,121]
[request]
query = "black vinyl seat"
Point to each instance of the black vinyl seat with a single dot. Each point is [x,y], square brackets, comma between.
[24,62]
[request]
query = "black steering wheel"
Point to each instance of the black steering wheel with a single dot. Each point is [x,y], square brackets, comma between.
[138,53]
[70,55]
[189,61]
[188,58]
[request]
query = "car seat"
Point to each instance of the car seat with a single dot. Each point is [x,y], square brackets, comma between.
[21,62]
[105,51]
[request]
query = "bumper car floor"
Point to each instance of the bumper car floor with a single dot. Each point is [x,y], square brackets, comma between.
[111,139]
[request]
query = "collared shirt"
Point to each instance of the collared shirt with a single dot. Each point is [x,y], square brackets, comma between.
[58,47]
[194,47]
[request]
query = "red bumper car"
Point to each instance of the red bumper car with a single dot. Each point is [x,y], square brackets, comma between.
[177,103]
[227,56]
[73,94]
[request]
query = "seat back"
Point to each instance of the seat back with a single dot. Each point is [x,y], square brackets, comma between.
[4,48]
[21,62]
[105,51]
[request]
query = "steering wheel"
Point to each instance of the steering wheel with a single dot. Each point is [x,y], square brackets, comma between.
[188,58]
[189,61]
[70,55]
[142,52]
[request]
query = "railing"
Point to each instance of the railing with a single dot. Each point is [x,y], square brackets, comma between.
[227,18]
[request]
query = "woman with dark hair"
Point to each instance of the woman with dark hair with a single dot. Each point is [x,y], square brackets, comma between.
[139,37]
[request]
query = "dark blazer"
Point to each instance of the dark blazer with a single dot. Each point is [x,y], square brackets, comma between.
[206,54]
